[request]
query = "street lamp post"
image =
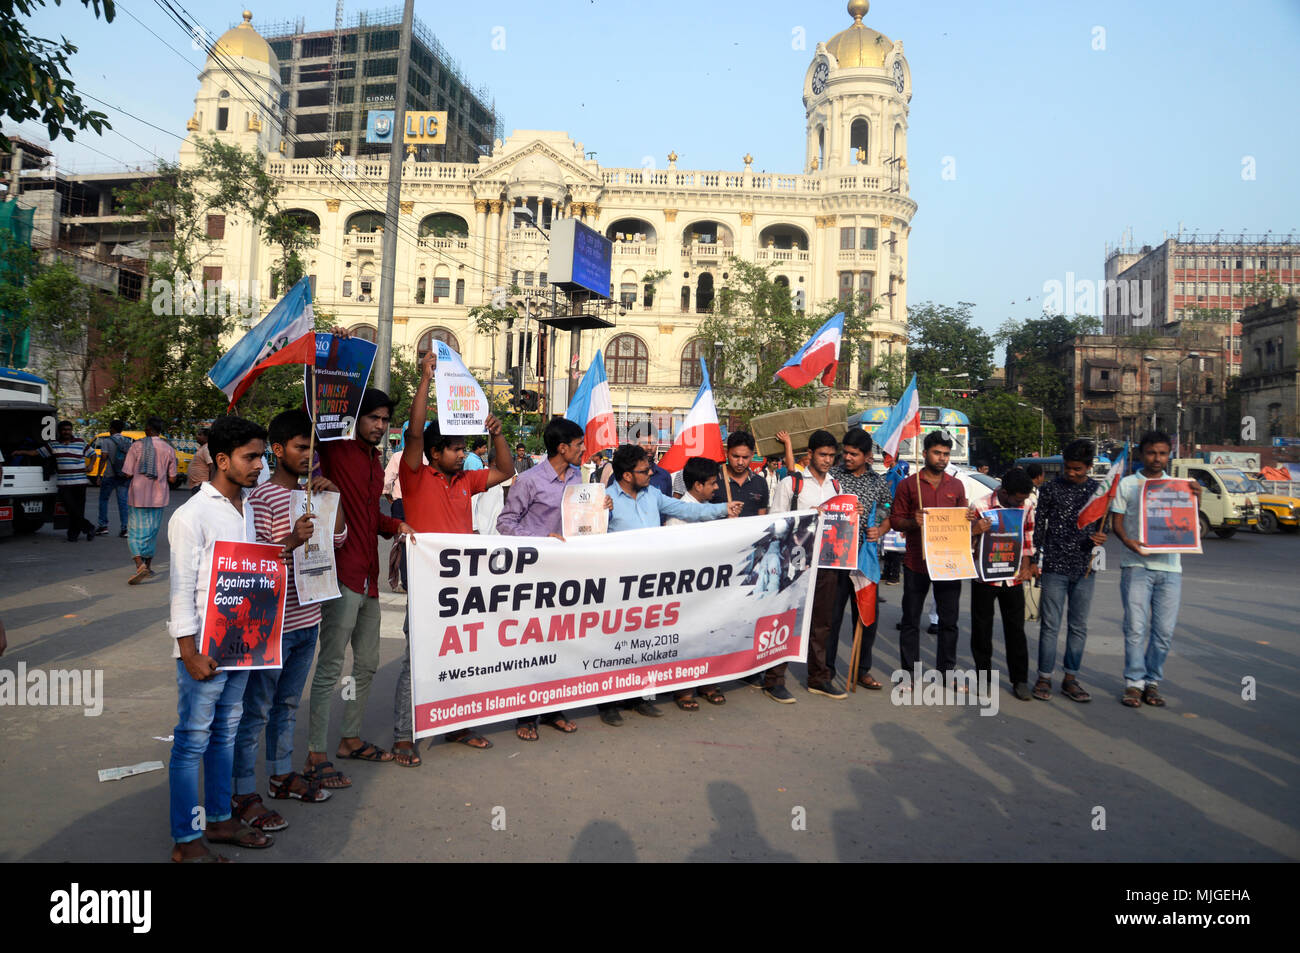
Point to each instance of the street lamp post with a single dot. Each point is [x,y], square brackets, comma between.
[1042,423]
[1148,360]
[1178,395]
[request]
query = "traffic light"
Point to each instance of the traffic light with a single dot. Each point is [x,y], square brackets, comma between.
[516,375]
[530,400]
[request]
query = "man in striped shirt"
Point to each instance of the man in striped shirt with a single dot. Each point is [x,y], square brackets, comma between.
[271,698]
[70,455]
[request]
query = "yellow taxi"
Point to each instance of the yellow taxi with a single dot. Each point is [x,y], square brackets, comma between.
[184,454]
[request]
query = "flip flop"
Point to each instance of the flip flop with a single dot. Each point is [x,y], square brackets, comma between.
[245,836]
[140,574]
[469,738]
[567,728]
[713,696]
[367,752]
[526,731]
[412,755]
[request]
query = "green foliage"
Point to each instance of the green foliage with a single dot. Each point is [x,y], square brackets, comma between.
[1263,288]
[1011,429]
[33,74]
[755,321]
[291,236]
[942,336]
[1029,346]
[19,264]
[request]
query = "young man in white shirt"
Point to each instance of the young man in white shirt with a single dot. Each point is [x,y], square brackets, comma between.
[210,702]
[808,491]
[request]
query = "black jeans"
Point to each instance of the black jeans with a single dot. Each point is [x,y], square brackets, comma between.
[1011,604]
[947,601]
[73,499]
[844,596]
[822,635]
[889,567]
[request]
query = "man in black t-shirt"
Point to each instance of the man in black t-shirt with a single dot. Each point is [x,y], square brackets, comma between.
[745,485]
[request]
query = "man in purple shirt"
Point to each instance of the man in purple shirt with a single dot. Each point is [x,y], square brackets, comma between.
[535,508]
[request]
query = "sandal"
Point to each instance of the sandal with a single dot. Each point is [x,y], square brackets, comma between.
[367,752]
[687,703]
[244,836]
[526,731]
[713,696]
[325,774]
[283,790]
[560,723]
[1072,690]
[268,820]
[467,737]
[140,573]
[1043,689]
[407,757]
[866,681]
[1151,695]
[205,858]
[1132,698]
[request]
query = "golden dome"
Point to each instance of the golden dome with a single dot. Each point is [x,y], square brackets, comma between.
[859,45]
[244,41]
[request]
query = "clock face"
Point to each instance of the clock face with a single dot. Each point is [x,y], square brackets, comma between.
[898,75]
[819,78]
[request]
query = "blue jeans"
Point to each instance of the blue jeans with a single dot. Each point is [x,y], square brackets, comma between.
[108,488]
[271,701]
[209,716]
[1150,612]
[1057,589]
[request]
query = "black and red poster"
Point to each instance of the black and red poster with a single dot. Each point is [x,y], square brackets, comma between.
[1170,517]
[839,542]
[245,608]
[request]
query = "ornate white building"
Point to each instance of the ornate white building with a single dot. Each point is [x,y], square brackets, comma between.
[839,225]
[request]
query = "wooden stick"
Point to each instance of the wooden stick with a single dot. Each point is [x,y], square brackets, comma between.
[726,481]
[312,452]
[855,656]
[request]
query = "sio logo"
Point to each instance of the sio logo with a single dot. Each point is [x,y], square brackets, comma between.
[773,634]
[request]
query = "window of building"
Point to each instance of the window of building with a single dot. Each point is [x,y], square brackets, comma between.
[365,332]
[366,286]
[223,118]
[441,288]
[1156,376]
[866,284]
[627,294]
[627,361]
[528,279]
[216,226]
[648,295]
[846,239]
[460,290]
[868,238]
[1178,287]
[864,365]
[691,376]
[846,285]
[420,289]
[425,343]
[347,287]
[541,279]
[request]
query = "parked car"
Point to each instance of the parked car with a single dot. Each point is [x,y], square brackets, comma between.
[185,450]
[1279,505]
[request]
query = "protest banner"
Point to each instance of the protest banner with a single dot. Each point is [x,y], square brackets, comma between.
[340,374]
[462,405]
[506,627]
[1001,544]
[839,539]
[315,574]
[583,511]
[245,606]
[1169,517]
[948,543]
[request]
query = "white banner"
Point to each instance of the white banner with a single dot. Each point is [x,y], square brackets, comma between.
[462,405]
[508,627]
[315,575]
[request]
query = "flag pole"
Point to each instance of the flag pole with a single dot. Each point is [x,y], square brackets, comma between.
[855,657]
[311,455]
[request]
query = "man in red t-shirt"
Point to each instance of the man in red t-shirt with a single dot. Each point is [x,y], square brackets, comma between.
[436,498]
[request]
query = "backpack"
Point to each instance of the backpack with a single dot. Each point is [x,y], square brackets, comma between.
[120,446]
[796,483]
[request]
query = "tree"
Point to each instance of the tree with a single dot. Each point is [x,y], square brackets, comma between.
[1011,429]
[755,322]
[290,235]
[33,74]
[1029,347]
[942,336]
[19,264]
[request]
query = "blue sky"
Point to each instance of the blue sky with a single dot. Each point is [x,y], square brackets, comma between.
[1058,147]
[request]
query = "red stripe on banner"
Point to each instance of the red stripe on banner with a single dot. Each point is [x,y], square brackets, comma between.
[466,711]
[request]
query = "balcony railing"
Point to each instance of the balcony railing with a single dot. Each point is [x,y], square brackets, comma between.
[706,251]
[782,254]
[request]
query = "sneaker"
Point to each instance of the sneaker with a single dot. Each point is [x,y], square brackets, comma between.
[1021,691]
[898,625]
[756,679]
[101,531]
[122,535]
[933,629]
[779,693]
[611,717]
[829,690]
[647,708]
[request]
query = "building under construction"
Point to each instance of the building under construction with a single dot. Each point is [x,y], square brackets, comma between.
[332,78]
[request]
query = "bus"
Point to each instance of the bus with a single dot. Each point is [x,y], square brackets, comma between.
[954,422]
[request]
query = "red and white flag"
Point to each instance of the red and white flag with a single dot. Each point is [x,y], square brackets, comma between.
[700,435]
[1097,506]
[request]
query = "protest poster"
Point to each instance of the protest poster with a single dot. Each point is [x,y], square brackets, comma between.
[583,511]
[893,542]
[839,541]
[341,372]
[462,405]
[1169,517]
[315,574]
[1001,544]
[948,543]
[503,627]
[245,606]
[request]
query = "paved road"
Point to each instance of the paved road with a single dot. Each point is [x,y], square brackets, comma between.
[1211,778]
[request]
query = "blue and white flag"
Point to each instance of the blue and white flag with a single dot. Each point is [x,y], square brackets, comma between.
[289,320]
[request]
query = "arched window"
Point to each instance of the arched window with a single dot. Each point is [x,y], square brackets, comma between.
[821,147]
[443,225]
[366,332]
[306,218]
[627,361]
[859,138]
[704,294]
[367,221]
[691,354]
[435,334]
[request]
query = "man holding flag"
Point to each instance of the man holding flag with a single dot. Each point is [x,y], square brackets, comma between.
[591,409]
[903,422]
[1065,532]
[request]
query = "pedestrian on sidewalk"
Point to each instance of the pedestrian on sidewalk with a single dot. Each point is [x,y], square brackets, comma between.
[271,698]
[112,482]
[1150,584]
[209,702]
[71,480]
[200,464]
[151,466]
